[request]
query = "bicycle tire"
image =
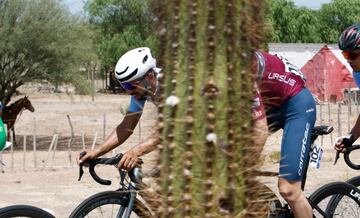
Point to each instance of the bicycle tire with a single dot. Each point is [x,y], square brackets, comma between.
[334,201]
[331,190]
[109,198]
[24,211]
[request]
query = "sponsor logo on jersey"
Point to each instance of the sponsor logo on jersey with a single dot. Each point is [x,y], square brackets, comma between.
[282,78]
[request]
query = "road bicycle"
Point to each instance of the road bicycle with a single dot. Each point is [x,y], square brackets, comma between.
[320,200]
[120,203]
[24,211]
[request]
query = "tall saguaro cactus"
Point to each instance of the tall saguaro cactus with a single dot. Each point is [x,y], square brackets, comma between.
[205,122]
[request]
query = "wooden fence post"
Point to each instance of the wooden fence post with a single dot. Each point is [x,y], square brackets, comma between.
[104,126]
[24,155]
[104,130]
[339,120]
[329,120]
[321,122]
[49,151]
[70,140]
[83,140]
[34,142]
[54,151]
[94,141]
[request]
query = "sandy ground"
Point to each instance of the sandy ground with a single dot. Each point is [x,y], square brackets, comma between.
[55,186]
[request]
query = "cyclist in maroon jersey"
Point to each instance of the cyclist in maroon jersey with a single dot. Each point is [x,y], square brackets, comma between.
[286,103]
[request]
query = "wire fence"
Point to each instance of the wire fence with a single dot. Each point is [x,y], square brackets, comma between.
[41,152]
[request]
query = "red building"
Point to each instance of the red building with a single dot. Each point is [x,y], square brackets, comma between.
[326,76]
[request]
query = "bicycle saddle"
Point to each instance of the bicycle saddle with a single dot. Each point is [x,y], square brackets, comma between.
[322,130]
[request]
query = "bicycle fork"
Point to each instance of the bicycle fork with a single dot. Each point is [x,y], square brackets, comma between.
[129,207]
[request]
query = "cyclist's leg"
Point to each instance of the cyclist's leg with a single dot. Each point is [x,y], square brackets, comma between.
[291,191]
[300,115]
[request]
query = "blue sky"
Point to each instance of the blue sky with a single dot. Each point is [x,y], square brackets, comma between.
[314,4]
[75,6]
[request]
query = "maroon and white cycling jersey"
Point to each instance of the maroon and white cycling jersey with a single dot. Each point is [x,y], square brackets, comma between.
[277,78]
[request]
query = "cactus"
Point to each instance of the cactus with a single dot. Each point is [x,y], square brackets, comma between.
[206,158]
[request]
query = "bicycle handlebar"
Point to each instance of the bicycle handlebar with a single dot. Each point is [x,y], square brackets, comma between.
[348,149]
[347,157]
[92,163]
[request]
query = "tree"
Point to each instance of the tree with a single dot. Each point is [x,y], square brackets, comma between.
[40,40]
[336,17]
[121,25]
[292,24]
[207,158]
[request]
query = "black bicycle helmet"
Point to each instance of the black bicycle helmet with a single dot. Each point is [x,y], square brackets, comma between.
[350,38]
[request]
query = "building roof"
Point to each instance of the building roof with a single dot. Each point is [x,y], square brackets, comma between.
[300,53]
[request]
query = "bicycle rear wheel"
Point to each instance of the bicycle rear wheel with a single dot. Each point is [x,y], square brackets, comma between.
[108,204]
[348,206]
[24,211]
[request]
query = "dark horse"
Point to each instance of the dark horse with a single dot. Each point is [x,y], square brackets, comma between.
[11,112]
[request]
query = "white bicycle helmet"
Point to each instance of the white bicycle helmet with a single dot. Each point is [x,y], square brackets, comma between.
[134,64]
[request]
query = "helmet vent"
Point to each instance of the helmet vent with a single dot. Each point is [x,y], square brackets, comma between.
[131,75]
[145,59]
[119,73]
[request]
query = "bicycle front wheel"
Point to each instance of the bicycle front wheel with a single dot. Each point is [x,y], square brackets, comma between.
[24,211]
[348,206]
[334,201]
[109,204]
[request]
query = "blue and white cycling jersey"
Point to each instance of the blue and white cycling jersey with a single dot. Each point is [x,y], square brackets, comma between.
[136,105]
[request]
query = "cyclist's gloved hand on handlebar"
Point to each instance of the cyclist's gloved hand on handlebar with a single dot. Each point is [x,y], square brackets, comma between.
[343,142]
[129,160]
[88,156]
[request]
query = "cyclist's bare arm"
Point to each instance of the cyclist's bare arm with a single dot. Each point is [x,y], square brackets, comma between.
[149,145]
[117,137]
[356,129]
[130,158]
[261,132]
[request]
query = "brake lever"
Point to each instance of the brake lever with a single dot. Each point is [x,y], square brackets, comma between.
[81,165]
[337,157]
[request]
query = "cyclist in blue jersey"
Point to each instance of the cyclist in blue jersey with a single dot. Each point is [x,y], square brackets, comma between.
[137,73]
[349,43]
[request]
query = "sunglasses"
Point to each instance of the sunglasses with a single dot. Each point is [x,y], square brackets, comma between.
[131,86]
[127,86]
[350,55]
